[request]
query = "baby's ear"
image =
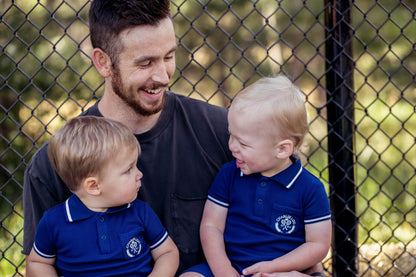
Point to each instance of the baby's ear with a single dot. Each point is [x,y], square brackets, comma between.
[91,186]
[284,149]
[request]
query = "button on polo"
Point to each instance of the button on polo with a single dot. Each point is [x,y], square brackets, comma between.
[102,229]
[261,193]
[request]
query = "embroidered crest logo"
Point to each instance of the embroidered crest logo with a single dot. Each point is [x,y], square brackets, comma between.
[285,224]
[133,247]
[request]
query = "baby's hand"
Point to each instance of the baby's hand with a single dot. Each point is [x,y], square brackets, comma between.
[284,274]
[231,271]
[258,268]
[281,274]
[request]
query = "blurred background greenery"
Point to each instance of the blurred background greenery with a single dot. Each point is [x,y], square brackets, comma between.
[46,77]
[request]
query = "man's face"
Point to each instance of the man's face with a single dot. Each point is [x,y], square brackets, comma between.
[144,68]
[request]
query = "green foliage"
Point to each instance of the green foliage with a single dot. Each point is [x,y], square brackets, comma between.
[46,77]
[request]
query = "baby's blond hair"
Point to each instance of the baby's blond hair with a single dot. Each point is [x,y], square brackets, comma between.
[280,103]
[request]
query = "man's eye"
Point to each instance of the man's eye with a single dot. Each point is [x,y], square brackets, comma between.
[145,64]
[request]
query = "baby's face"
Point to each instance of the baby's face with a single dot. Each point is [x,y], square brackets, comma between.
[120,178]
[253,147]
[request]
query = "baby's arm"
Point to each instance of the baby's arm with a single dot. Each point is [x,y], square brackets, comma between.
[212,239]
[166,257]
[40,266]
[318,241]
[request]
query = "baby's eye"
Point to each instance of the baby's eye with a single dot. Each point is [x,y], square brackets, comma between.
[244,145]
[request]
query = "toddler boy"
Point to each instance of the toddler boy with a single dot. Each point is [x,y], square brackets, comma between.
[265,213]
[101,230]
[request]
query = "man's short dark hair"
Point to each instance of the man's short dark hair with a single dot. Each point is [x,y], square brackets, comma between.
[108,18]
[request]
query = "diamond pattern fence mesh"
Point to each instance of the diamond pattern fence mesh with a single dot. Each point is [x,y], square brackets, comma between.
[355,61]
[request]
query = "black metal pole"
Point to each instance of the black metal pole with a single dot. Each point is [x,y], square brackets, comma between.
[340,102]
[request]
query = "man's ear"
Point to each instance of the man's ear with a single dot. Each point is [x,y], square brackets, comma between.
[102,62]
[284,149]
[91,186]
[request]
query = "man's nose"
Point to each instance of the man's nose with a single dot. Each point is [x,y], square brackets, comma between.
[161,74]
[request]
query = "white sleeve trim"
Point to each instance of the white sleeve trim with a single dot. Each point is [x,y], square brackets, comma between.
[159,241]
[42,254]
[313,220]
[218,202]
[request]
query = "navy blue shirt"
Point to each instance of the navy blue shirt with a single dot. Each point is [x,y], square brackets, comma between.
[87,243]
[267,215]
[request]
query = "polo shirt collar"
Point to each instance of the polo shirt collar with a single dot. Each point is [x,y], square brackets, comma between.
[289,176]
[75,210]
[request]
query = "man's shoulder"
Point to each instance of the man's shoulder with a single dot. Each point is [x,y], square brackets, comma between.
[40,176]
[40,160]
[203,117]
[93,110]
[197,105]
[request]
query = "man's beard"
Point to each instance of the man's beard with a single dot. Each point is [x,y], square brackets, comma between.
[120,90]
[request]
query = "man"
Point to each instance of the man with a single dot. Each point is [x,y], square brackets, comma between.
[184,141]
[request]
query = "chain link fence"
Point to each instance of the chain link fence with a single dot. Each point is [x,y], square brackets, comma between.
[355,61]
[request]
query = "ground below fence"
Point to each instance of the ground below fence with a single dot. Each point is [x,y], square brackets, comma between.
[386,260]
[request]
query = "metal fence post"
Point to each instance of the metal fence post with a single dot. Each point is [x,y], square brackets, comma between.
[340,104]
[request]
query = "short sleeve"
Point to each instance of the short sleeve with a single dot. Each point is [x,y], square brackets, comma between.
[44,243]
[317,204]
[219,192]
[155,232]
